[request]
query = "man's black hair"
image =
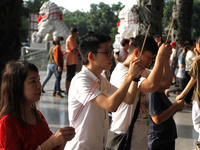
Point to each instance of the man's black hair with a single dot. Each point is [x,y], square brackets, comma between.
[150,44]
[91,43]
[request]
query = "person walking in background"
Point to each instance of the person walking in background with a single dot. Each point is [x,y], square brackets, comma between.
[158,40]
[123,53]
[180,49]
[58,58]
[50,67]
[22,125]
[173,61]
[190,57]
[71,57]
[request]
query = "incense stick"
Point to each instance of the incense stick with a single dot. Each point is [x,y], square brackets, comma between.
[170,29]
[145,40]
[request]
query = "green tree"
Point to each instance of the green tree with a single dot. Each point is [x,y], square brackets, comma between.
[76,19]
[34,5]
[102,18]
[167,14]
[196,19]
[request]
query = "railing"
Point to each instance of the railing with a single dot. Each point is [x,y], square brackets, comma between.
[37,56]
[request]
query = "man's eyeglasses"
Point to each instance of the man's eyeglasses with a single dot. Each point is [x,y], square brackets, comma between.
[109,54]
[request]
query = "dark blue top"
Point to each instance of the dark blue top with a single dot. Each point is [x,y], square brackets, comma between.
[165,132]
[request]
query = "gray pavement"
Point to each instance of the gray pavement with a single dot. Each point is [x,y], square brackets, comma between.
[56,113]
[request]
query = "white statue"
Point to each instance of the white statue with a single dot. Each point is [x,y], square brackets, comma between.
[127,27]
[50,24]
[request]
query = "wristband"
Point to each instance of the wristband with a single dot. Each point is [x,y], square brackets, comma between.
[137,79]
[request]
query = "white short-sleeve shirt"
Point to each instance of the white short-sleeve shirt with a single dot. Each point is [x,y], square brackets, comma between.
[92,124]
[122,118]
[190,56]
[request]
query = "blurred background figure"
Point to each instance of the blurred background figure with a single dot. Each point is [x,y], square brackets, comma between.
[71,57]
[58,58]
[50,67]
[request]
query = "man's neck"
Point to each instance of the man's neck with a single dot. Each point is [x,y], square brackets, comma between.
[95,70]
[128,60]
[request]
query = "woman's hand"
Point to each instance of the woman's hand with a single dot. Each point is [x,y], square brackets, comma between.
[63,135]
[60,137]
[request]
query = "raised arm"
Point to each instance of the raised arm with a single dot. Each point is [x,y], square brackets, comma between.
[151,84]
[112,103]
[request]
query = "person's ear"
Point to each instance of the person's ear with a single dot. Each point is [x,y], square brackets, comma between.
[91,56]
[136,53]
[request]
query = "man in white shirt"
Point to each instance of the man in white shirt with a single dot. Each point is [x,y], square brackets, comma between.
[149,82]
[91,95]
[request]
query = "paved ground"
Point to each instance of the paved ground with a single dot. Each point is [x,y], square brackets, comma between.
[56,113]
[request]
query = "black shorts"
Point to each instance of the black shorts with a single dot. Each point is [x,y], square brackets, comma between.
[71,69]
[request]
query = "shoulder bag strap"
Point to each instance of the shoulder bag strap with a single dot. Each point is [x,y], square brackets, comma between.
[135,116]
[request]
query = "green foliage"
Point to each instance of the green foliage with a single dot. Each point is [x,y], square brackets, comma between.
[167,13]
[196,19]
[34,5]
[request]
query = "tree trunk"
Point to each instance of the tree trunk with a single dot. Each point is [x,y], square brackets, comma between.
[149,12]
[10,21]
[182,13]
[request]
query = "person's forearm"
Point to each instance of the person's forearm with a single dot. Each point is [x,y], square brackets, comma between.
[130,95]
[165,115]
[117,98]
[166,71]
[112,103]
[188,86]
[46,145]
[62,146]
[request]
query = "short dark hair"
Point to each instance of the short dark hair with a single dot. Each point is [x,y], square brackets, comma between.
[150,44]
[124,42]
[91,43]
[12,89]
[90,32]
[73,30]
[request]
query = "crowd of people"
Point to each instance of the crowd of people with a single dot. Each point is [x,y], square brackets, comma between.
[92,94]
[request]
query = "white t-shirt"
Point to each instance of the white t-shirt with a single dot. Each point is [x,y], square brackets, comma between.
[173,54]
[121,119]
[190,56]
[92,125]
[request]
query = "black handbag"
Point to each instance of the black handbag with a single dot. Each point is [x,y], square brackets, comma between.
[122,141]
